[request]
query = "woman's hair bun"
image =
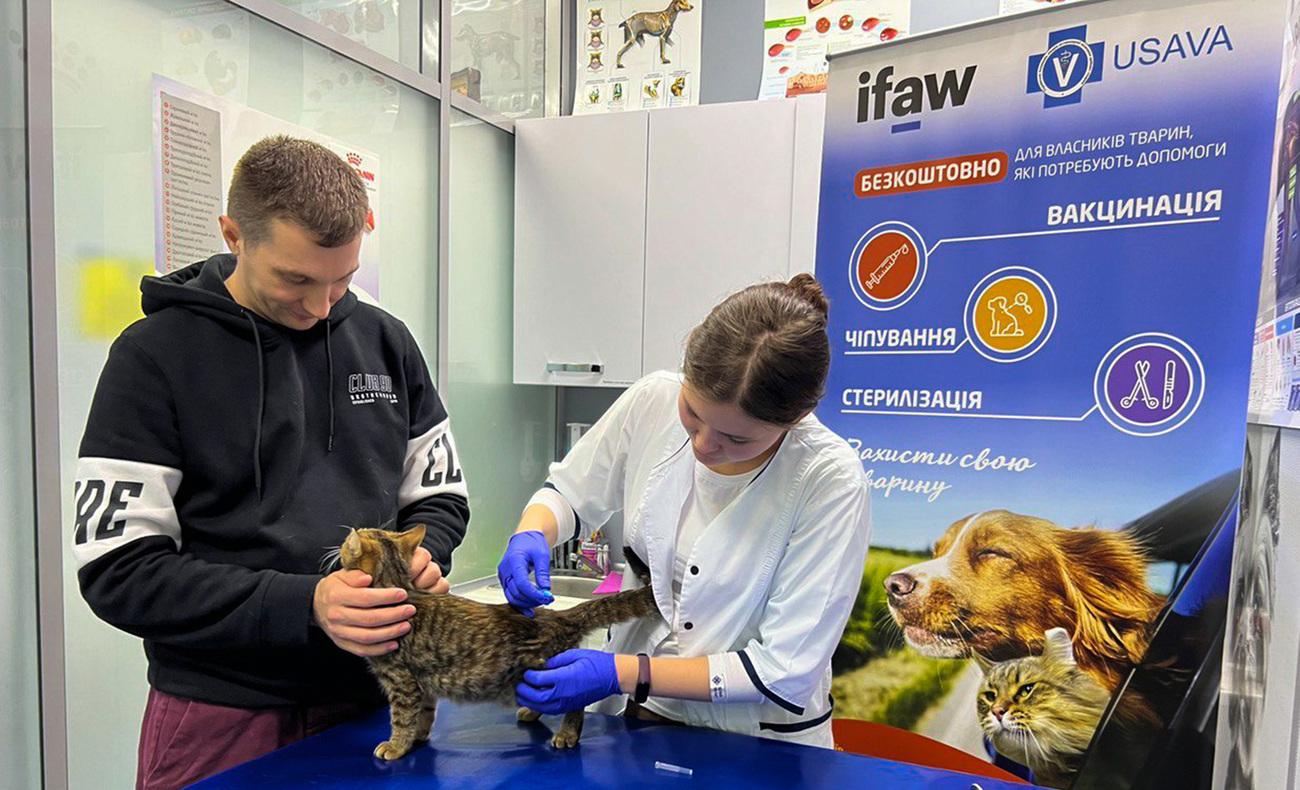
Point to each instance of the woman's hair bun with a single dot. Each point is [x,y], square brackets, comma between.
[806,287]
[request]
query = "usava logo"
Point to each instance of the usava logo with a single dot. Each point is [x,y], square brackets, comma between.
[1069,63]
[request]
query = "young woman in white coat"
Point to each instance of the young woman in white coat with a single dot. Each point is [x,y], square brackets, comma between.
[752,516]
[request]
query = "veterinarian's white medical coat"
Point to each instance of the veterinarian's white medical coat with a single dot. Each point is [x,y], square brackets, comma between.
[779,568]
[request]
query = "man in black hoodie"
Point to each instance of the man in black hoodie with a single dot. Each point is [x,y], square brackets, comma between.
[255,413]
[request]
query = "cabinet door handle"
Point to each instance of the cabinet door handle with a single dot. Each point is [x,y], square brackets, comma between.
[574,367]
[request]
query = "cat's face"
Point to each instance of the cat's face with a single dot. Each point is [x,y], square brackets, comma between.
[1018,694]
[1041,706]
[379,553]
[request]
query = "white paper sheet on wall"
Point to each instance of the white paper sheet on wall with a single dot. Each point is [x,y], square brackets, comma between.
[637,55]
[1016,6]
[798,34]
[197,140]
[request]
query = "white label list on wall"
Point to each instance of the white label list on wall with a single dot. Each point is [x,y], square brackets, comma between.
[637,55]
[197,139]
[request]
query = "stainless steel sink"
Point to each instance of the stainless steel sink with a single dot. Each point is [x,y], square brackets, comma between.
[573,586]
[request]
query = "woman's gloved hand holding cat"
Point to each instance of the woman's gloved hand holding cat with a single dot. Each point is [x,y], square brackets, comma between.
[571,681]
[526,551]
[367,621]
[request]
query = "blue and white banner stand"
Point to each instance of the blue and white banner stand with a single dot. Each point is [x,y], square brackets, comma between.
[1041,237]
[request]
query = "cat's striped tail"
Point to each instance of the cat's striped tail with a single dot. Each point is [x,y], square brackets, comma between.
[620,607]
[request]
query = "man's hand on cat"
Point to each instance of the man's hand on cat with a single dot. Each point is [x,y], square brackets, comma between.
[571,681]
[526,551]
[427,574]
[360,619]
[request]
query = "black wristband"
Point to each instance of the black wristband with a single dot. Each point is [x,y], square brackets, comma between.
[642,679]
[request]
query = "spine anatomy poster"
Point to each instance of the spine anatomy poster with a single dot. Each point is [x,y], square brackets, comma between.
[1041,238]
[799,34]
[637,55]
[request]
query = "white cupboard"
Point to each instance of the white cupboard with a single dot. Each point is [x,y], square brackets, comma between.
[629,227]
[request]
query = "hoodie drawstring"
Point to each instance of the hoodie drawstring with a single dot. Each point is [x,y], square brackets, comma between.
[261,405]
[261,397]
[329,361]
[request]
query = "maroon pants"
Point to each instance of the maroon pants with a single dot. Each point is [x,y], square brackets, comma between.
[182,741]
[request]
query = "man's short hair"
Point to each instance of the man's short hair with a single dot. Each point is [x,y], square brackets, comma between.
[299,181]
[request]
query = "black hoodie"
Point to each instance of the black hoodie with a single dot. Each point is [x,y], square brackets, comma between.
[224,456]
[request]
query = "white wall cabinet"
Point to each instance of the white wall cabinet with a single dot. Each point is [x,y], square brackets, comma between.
[630,227]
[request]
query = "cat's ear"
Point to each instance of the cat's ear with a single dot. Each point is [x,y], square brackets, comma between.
[411,539]
[982,662]
[1058,647]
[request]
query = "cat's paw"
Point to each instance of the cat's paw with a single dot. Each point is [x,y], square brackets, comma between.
[527,715]
[565,739]
[387,751]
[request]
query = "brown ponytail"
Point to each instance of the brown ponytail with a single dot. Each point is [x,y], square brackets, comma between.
[764,349]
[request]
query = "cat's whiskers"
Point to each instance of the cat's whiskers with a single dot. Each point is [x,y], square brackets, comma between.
[1037,744]
[332,557]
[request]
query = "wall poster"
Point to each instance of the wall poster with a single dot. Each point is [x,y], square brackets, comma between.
[637,55]
[197,139]
[798,35]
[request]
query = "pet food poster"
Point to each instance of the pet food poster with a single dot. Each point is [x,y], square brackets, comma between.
[637,55]
[798,35]
[1041,238]
[197,139]
[1275,382]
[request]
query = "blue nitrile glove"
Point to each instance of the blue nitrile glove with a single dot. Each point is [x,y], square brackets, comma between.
[526,551]
[571,681]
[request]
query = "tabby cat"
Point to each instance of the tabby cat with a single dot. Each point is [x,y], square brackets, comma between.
[1041,711]
[465,651]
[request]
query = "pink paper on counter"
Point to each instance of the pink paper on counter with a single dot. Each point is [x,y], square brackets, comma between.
[612,584]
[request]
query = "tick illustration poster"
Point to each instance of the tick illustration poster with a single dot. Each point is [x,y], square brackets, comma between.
[1042,240]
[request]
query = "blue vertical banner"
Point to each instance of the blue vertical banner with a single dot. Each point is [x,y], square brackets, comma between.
[1041,237]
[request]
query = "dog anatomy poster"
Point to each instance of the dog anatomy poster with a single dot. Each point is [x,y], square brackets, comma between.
[637,55]
[1041,237]
[798,35]
[1275,383]
[197,139]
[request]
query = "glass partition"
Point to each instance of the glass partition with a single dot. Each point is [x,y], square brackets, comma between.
[106,52]
[20,735]
[504,432]
[498,54]
[389,27]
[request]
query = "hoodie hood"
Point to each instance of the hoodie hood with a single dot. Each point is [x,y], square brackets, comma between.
[201,288]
